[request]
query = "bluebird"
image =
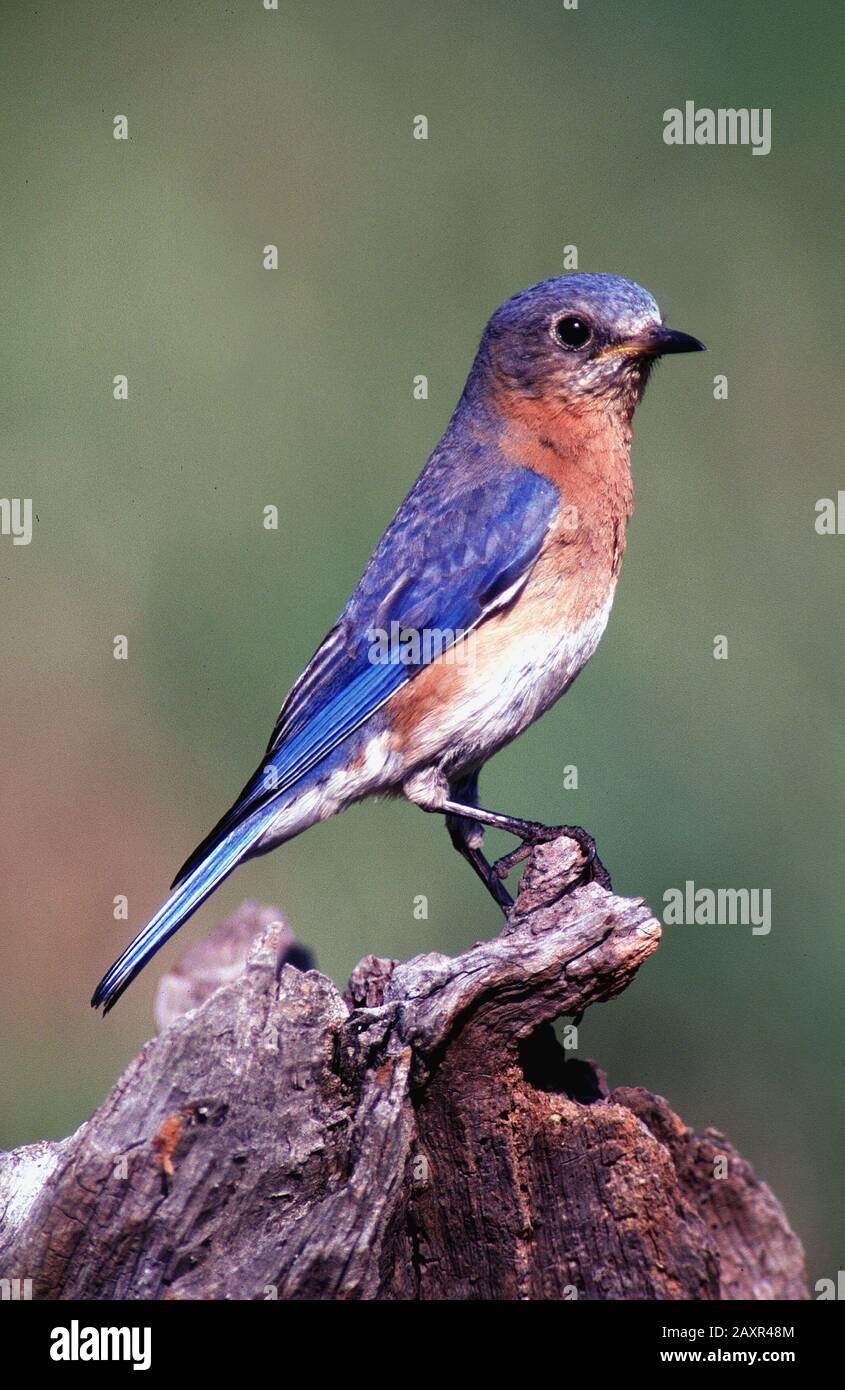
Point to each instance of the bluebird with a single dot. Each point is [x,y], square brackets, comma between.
[484,598]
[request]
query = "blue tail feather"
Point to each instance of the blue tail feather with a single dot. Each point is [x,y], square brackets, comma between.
[191,893]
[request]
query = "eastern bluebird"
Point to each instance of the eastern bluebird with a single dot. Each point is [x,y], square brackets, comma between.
[506,552]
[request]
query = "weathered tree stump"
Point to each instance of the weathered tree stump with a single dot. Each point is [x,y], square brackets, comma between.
[423,1136]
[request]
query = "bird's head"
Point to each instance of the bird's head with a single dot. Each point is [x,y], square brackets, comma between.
[583,341]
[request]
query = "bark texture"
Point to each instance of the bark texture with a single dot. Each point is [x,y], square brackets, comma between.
[422,1136]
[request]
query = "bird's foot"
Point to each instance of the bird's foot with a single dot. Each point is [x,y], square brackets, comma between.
[493,881]
[533,833]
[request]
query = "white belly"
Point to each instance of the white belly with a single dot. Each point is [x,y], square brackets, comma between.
[502,690]
[505,690]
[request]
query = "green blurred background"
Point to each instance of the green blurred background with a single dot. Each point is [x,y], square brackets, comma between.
[294,388]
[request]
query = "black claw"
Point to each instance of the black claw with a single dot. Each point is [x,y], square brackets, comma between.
[536,834]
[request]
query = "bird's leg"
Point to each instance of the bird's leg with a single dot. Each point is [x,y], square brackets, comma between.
[532,833]
[487,873]
[467,835]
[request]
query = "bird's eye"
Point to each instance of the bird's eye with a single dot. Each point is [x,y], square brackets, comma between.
[573,331]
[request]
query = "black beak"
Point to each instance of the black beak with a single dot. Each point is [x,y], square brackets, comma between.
[662,340]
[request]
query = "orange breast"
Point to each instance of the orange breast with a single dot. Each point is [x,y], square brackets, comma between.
[523,656]
[570,584]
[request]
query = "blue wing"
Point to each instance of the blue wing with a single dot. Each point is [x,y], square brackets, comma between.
[458,548]
[448,558]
